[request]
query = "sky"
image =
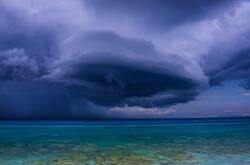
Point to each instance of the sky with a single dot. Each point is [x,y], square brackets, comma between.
[124,59]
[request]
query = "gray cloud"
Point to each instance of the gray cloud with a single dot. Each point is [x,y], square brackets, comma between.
[246,85]
[109,69]
[236,68]
[15,64]
[116,53]
[154,15]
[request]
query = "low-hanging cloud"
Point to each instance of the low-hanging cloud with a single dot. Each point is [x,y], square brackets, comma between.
[125,55]
[109,69]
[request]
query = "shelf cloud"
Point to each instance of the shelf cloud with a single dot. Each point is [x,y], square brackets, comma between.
[87,58]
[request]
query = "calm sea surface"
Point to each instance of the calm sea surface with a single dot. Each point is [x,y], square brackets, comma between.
[123,142]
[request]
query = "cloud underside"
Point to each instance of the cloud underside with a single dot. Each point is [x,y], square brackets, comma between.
[82,54]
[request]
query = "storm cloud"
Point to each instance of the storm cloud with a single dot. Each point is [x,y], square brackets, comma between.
[108,69]
[84,57]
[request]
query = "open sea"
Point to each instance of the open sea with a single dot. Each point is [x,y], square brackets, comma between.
[224,141]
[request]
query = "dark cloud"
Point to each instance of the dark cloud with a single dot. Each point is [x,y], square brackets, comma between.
[115,69]
[246,85]
[24,47]
[110,84]
[15,64]
[164,99]
[76,59]
[155,15]
[237,67]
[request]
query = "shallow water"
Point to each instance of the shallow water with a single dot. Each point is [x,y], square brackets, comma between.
[206,143]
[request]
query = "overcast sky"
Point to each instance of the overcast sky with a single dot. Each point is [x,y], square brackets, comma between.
[98,59]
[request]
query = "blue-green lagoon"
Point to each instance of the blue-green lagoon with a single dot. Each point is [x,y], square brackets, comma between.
[137,142]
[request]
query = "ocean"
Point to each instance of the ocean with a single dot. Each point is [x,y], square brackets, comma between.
[223,141]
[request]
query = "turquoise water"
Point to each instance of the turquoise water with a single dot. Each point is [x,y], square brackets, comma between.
[190,142]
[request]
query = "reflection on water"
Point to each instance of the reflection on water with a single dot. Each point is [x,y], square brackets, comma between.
[177,144]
